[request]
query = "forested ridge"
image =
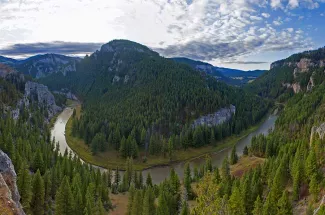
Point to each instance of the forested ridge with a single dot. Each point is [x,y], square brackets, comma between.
[135,99]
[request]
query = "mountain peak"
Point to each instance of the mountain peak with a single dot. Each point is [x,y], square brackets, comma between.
[125,45]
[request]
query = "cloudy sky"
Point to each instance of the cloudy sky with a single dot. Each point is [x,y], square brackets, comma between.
[244,34]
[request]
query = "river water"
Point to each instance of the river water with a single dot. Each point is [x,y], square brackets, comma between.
[158,174]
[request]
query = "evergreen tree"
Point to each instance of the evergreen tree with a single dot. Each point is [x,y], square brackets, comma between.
[137,203]
[24,186]
[64,199]
[236,203]
[314,188]
[38,190]
[258,207]
[225,170]
[233,156]
[149,202]
[284,205]
[185,210]
[149,180]
[187,179]
[245,151]
[130,200]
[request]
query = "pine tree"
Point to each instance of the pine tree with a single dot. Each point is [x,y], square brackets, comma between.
[233,156]
[38,162]
[236,203]
[24,186]
[47,186]
[225,170]
[149,202]
[314,188]
[185,210]
[149,180]
[311,163]
[137,203]
[208,164]
[284,206]
[64,199]
[90,200]
[245,151]
[38,190]
[187,179]
[258,207]
[123,148]
[130,200]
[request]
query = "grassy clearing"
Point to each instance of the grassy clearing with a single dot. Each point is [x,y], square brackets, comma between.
[119,203]
[244,164]
[111,159]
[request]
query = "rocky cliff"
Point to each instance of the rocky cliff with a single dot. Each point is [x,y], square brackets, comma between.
[317,130]
[40,94]
[9,195]
[304,70]
[217,118]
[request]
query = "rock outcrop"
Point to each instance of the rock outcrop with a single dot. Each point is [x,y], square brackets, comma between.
[320,130]
[9,195]
[40,94]
[221,116]
[301,66]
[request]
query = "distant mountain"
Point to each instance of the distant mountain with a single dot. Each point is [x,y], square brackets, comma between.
[43,65]
[252,74]
[202,66]
[8,61]
[230,76]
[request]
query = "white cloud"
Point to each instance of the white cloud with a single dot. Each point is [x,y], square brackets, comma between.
[293,4]
[202,29]
[266,15]
[275,4]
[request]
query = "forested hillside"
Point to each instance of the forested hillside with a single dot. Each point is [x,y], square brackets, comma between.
[135,100]
[48,183]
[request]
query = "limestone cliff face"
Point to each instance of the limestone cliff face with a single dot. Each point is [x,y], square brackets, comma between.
[221,116]
[40,94]
[305,66]
[9,195]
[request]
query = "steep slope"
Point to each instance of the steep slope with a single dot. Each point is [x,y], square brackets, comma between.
[9,195]
[299,72]
[130,91]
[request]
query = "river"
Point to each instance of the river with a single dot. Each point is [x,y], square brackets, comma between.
[158,174]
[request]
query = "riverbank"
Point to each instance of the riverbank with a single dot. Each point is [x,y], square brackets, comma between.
[111,159]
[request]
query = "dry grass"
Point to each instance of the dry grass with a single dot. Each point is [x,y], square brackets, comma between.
[7,207]
[245,164]
[119,203]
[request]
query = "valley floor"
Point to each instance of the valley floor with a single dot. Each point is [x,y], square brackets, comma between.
[111,159]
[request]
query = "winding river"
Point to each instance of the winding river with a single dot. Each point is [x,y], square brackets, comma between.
[159,173]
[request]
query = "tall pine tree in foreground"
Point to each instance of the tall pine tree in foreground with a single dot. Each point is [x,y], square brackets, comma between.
[64,199]
[37,202]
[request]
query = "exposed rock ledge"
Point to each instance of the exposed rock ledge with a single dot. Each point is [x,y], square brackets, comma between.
[9,195]
[320,130]
[217,118]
